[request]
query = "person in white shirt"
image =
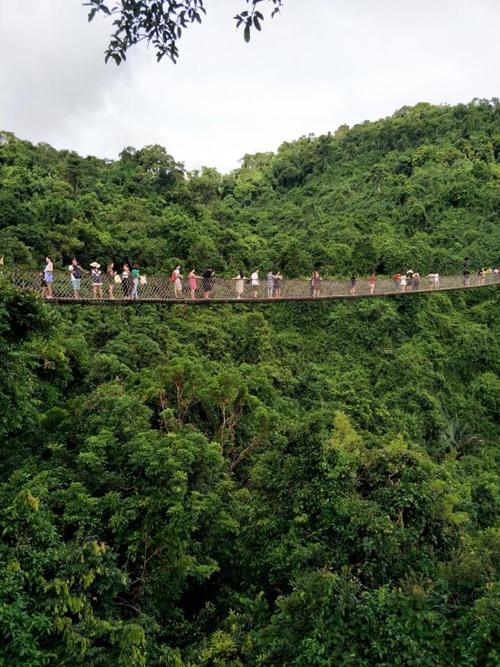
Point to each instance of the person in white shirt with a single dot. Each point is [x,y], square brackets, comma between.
[177,280]
[239,284]
[254,279]
[48,274]
[433,280]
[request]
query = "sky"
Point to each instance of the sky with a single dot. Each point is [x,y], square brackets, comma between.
[317,65]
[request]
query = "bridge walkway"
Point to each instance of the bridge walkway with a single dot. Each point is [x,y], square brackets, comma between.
[160,290]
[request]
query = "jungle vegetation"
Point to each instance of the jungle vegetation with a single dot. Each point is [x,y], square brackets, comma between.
[313,484]
[420,188]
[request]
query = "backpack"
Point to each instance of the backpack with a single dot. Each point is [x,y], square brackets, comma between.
[173,277]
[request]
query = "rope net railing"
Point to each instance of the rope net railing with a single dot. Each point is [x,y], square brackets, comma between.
[156,288]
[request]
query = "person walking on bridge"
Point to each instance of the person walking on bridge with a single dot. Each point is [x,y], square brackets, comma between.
[373,281]
[113,278]
[239,285]
[96,278]
[433,280]
[75,271]
[193,283]
[352,291]
[315,284]
[270,284]
[48,273]
[254,279]
[136,277]
[278,284]
[126,281]
[177,278]
[208,282]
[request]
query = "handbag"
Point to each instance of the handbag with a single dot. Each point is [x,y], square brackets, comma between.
[143,280]
[117,279]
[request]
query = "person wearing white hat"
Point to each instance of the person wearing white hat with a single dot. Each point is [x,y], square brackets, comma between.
[96,277]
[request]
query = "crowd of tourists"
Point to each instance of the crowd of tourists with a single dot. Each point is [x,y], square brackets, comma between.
[128,280]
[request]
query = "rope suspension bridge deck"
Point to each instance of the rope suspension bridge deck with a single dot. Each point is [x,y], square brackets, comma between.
[160,290]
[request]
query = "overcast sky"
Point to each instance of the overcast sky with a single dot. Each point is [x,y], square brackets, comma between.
[317,65]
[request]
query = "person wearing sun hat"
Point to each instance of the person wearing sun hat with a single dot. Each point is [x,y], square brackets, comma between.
[96,277]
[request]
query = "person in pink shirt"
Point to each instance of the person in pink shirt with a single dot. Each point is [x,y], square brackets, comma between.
[373,281]
[193,282]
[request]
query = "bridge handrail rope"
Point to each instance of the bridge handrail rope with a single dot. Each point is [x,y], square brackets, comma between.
[159,288]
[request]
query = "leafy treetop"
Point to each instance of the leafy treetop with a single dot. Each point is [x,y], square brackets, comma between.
[162,22]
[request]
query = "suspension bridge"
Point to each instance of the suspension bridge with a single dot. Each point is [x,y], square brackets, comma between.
[159,289]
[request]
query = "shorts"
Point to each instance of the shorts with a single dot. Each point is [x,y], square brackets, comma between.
[49,276]
[76,282]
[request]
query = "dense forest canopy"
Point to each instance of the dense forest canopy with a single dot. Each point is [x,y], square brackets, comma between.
[314,484]
[420,188]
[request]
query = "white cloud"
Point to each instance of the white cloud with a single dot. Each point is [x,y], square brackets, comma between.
[319,64]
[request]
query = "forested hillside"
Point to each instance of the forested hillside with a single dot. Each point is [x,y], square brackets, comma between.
[420,188]
[313,485]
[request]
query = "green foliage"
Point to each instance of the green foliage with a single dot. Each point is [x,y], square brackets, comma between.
[162,22]
[419,188]
[290,484]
